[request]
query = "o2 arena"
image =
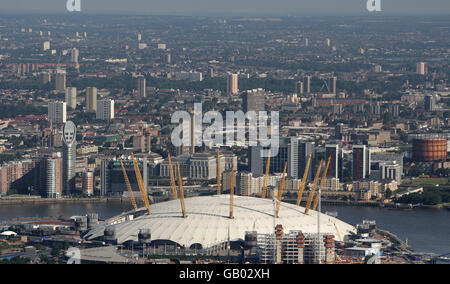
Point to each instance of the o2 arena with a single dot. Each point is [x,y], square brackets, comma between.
[208,223]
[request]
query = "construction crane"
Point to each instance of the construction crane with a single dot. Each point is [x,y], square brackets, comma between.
[302,187]
[218,173]
[180,182]
[266,177]
[172,180]
[343,245]
[322,182]
[232,193]
[141,185]
[280,190]
[127,182]
[313,189]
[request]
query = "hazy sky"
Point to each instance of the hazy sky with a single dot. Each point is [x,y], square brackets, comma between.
[214,7]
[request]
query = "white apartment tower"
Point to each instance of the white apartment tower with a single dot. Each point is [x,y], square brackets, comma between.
[74,54]
[232,84]
[60,81]
[141,87]
[57,112]
[91,99]
[105,109]
[420,68]
[71,97]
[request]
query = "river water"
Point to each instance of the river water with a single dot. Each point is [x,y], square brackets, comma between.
[427,230]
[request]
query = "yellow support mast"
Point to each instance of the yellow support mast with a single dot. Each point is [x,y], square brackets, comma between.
[322,182]
[280,190]
[141,185]
[180,182]
[127,182]
[218,174]
[232,193]
[313,189]
[266,177]
[172,180]
[302,186]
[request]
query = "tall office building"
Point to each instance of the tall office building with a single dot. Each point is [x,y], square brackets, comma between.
[69,157]
[361,162]
[168,58]
[57,112]
[232,84]
[277,162]
[429,103]
[20,175]
[105,109]
[336,168]
[254,100]
[74,54]
[333,81]
[420,68]
[88,183]
[338,130]
[53,182]
[60,81]
[112,179]
[71,97]
[305,148]
[141,87]
[46,78]
[142,142]
[292,150]
[328,42]
[306,42]
[308,84]
[104,176]
[255,161]
[91,99]
[298,156]
[299,88]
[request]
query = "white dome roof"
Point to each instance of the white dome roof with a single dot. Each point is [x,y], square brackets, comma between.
[8,233]
[208,221]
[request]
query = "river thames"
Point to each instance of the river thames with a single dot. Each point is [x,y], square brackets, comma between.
[427,230]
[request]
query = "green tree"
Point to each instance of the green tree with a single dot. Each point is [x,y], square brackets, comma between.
[388,193]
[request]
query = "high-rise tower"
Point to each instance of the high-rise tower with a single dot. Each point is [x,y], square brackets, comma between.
[91,99]
[232,84]
[361,162]
[69,157]
[141,87]
[71,97]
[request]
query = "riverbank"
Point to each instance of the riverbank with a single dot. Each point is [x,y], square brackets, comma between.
[425,229]
[400,206]
[81,200]
[19,201]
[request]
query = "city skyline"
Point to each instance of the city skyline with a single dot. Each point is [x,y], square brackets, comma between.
[224,140]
